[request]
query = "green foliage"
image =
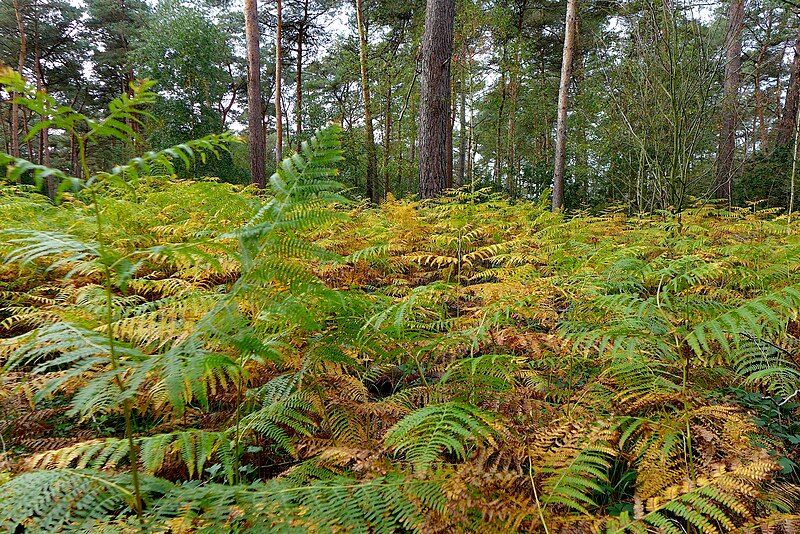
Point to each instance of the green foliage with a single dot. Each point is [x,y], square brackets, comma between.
[423,434]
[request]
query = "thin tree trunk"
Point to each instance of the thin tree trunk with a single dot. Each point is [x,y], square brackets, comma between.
[434,112]
[5,132]
[254,121]
[498,154]
[301,36]
[545,147]
[398,157]
[778,93]
[225,110]
[462,132]
[387,137]
[399,139]
[37,71]
[44,133]
[727,134]
[469,175]
[278,84]
[563,93]
[372,157]
[581,152]
[449,150]
[26,121]
[513,86]
[762,130]
[20,66]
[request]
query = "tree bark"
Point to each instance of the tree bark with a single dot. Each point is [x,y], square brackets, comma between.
[563,93]
[469,173]
[762,130]
[727,134]
[582,151]
[787,120]
[451,123]
[513,88]
[372,156]
[434,116]
[298,101]
[498,154]
[20,66]
[278,84]
[254,121]
[44,133]
[462,132]
[387,137]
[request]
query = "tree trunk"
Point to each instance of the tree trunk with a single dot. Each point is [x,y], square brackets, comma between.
[451,123]
[762,130]
[462,132]
[44,133]
[26,122]
[787,120]
[498,154]
[387,137]
[20,66]
[563,93]
[434,113]
[582,151]
[469,173]
[727,134]
[298,101]
[513,89]
[372,157]
[254,122]
[5,127]
[278,84]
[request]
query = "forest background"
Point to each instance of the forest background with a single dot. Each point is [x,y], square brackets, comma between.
[668,101]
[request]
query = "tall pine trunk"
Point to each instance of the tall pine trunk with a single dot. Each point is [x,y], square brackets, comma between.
[727,134]
[278,84]
[20,66]
[298,101]
[254,120]
[498,144]
[387,137]
[462,132]
[563,93]
[44,133]
[372,156]
[512,176]
[434,108]
[786,124]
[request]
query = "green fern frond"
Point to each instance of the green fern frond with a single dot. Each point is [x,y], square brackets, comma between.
[424,434]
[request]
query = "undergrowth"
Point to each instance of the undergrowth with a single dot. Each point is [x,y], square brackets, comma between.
[191,356]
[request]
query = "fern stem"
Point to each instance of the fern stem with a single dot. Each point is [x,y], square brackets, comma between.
[536,496]
[85,169]
[126,403]
[687,415]
[237,474]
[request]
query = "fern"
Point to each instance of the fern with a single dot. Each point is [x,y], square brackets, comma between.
[424,434]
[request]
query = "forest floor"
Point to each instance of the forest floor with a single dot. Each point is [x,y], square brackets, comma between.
[459,365]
